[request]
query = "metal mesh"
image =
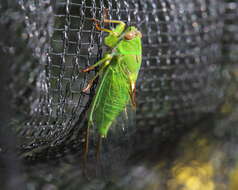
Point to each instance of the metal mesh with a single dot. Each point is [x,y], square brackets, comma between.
[177,83]
[49,42]
[230,37]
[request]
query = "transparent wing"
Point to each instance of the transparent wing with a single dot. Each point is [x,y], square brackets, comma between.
[118,146]
[125,125]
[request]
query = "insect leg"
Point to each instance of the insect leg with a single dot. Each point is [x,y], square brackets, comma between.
[99,28]
[98,156]
[114,21]
[98,149]
[106,58]
[119,28]
[90,83]
[85,150]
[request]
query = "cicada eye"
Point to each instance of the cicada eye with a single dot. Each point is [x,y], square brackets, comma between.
[130,35]
[139,34]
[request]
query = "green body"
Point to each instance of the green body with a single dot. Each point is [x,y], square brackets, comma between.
[118,78]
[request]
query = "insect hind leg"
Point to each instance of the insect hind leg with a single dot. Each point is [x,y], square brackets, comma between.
[86,142]
[98,149]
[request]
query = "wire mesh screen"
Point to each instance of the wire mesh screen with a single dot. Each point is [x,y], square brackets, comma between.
[230,37]
[186,45]
[177,82]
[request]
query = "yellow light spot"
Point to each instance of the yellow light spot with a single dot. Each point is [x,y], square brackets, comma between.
[234,180]
[195,176]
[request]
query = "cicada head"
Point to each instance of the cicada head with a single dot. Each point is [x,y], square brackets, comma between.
[131,33]
[114,36]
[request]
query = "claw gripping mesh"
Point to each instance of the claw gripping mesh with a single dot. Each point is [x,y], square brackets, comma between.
[178,81]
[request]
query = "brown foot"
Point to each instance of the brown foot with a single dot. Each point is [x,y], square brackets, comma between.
[90,84]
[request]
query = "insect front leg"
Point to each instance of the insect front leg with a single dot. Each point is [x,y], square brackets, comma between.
[99,28]
[116,32]
[90,83]
[114,21]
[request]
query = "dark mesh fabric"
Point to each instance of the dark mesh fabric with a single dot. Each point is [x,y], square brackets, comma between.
[185,47]
[176,85]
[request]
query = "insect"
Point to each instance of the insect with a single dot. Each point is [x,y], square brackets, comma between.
[118,71]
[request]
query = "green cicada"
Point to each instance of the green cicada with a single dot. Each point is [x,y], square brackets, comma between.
[118,71]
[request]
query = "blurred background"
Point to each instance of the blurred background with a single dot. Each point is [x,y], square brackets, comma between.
[183,135]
